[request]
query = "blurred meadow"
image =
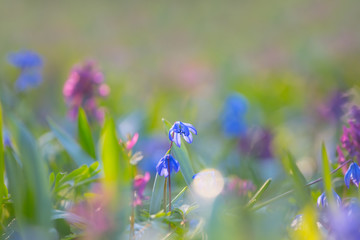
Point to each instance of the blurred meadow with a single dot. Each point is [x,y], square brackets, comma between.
[95,93]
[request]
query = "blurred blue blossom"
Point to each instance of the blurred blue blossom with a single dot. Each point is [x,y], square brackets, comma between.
[184,129]
[25,59]
[166,164]
[323,202]
[353,174]
[6,139]
[30,65]
[344,222]
[233,115]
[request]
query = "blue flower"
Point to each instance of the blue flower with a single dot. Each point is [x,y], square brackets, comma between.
[233,115]
[184,129]
[353,174]
[28,79]
[323,202]
[25,59]
[30,65]
[167,163]
[6,139]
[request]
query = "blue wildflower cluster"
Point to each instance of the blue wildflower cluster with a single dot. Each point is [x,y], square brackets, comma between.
[168,164]
[30,65]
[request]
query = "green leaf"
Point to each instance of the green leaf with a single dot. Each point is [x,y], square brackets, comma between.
[16,185]
[85,136]
[258,194]
[303,194]
[157,194]
[326,174]
[3,190]
[76,152]
[117,173]
[33,202]
[181,154]
[173,201]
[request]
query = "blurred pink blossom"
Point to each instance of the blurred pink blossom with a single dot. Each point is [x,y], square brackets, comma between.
[139,188]
[239,186]
[83,86]
[91,215]
[131,143]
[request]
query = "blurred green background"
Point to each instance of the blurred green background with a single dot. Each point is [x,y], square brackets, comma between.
[180,59]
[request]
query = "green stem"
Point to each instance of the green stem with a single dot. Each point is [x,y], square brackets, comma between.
[261,205]
[165,195]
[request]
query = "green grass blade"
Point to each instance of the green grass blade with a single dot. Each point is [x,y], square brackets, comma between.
[181,154]
[157,194]
[259,193]
[71,146]
[3,190]
[173,201]
[84,134]
[326,174]
[37,195]
[302,193]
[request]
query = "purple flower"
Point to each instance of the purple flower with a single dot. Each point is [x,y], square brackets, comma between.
[350,139]
[323,202]
[30,65]
[167,163]
[84,84]
[257,143]
[353,174]
[139,188]
[233,115]
[334,108]
[184,129]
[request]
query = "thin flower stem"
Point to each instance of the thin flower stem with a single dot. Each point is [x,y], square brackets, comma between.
[261,205]
[132,221]
[165,194]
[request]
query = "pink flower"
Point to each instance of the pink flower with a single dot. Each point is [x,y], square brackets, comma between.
[91,215]
[139,188]
[83,85]
[239,186]
[131,143]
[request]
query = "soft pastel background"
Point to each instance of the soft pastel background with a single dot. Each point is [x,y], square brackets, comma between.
[182,59]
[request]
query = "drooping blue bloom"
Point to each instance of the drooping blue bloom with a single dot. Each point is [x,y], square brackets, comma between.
[167,163]
[353,174]
[184,129]
[233,115]
[30,65]
[323,202]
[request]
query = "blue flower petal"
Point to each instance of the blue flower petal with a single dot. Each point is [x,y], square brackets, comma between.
[189,138]
[177,139]
[191,128]
[347,177]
